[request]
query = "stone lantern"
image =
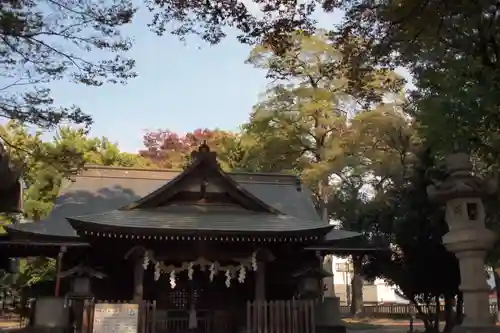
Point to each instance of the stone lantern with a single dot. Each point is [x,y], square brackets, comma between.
[468,238]
[310,281]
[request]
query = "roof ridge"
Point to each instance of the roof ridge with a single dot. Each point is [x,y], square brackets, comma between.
[150,169]
[109,172]
[280,174]
[120,177]
[116,167]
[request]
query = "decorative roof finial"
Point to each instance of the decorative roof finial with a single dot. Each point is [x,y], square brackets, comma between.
[204,153]
[204,148]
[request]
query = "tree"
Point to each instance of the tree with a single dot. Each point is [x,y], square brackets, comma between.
[173,151]
[450,49]
[259,21]
[304,115]
[452,52]
[387,139]
[99,151]
[51,40]
[422,30]
[416,260]
[304,124]
[453,56]
[400,26]
[383,141]
[39,164]
[44,164]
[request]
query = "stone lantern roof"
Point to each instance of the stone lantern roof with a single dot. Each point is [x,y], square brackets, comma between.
[461,182]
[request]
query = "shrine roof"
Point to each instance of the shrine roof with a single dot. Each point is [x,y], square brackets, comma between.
[201,199]
[347,242]
[192,218]
[32,248]
[100,189]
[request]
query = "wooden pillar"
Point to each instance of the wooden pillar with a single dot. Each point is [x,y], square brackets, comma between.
[138,277]
[260,282]
[59,263]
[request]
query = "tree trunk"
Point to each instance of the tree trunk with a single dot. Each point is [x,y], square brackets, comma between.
[448,313]
[357,286]
[428,327]
[423,315]
[323,199]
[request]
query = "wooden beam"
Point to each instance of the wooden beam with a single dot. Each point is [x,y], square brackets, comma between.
[138,261]
[138,281]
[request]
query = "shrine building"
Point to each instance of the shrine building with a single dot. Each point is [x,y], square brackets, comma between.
[201,250]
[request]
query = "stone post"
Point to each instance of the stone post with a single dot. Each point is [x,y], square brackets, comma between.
[327,317]
[468,238]
[328,283]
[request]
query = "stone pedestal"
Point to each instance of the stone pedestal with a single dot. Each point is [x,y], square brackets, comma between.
[470,246]
[51,314]
[468,237]
[328,316]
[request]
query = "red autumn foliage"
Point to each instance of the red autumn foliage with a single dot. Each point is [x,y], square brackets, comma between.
[169,150]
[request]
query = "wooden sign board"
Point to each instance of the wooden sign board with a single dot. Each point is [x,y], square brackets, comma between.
[116,318]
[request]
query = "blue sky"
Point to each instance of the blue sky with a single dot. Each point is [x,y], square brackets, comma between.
[181,86]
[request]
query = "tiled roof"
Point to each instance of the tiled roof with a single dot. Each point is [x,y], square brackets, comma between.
[192,218]
[106,189]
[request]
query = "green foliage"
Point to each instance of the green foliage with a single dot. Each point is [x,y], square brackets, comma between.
[98,151]
[327,118]
[33,271]
[301,123]
[44,165]
[412,226]
[451,49]
[452,52]
[357,152]
[383,142]
[257,21]
[46,41]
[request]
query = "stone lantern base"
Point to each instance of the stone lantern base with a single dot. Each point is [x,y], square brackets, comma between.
[51,314]
[328,316]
